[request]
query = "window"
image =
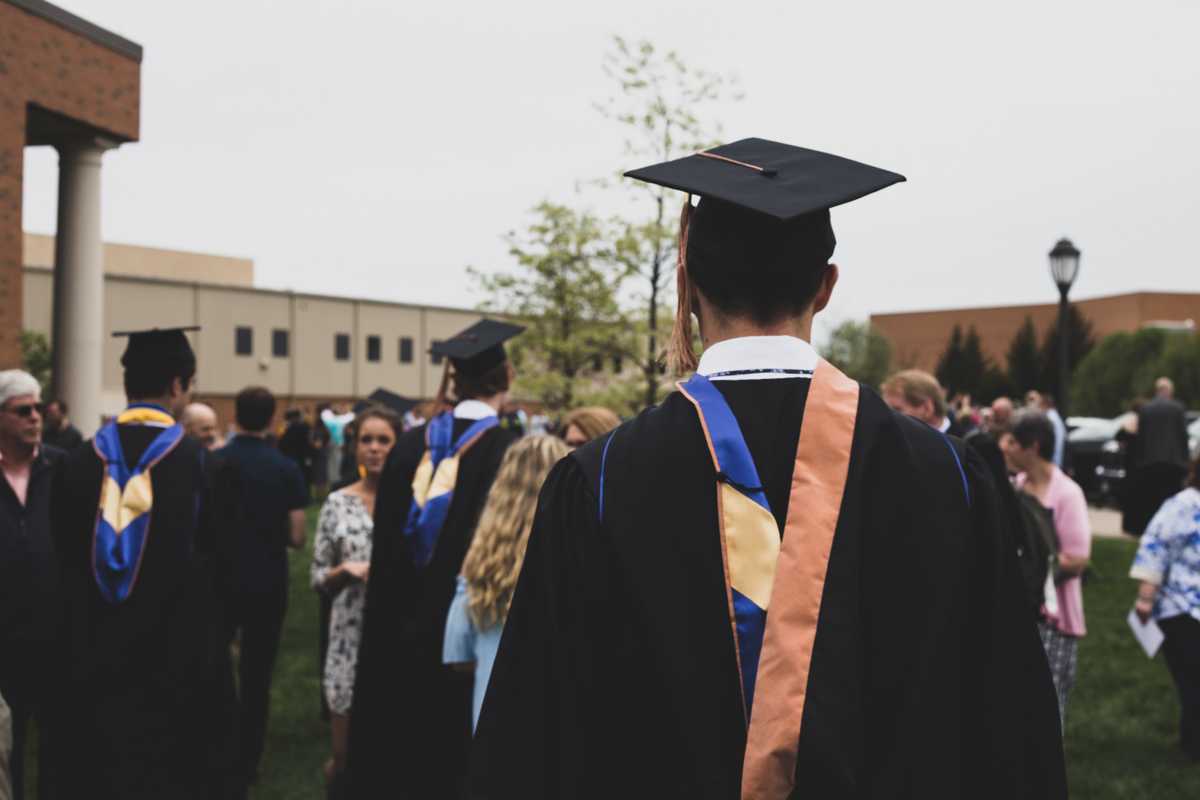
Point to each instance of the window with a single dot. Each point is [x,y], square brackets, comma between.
[373,348]
[341,346]
[618,364]
[406,349]
[597,363]
[243,340]
[435,357]
[279,343]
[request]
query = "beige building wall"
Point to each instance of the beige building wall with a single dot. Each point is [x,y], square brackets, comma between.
[310,372]
[152,262]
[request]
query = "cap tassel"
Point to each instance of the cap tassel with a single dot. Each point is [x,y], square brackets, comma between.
[681,358]
[443,401]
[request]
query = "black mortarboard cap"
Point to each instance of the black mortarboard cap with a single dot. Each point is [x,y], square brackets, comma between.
[479,348]
[779,180]
[398,403]
[157,345]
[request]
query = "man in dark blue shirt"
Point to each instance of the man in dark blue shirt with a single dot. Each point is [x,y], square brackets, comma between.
[269,515]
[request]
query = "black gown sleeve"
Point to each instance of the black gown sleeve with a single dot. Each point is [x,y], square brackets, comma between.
[531,738]
[1012,733]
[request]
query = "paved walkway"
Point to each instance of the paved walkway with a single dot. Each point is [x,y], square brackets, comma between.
[1106,523]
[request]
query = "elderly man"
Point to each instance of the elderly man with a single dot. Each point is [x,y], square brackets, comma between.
[1002,413]
[1158,459]
[918,394]
[28,572]
[200,423]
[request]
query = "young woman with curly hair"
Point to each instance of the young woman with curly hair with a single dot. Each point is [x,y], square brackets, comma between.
[490,570]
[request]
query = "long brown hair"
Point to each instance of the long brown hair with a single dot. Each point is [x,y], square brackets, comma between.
[592,421]
[494,560]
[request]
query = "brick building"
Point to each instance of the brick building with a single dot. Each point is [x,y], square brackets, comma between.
[918,338]
[68,84]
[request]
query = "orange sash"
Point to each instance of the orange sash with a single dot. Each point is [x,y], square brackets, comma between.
[818,485]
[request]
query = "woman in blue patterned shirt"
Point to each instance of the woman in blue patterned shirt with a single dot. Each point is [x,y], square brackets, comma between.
[1168,566]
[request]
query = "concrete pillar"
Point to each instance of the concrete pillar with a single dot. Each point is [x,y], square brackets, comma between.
[79,284]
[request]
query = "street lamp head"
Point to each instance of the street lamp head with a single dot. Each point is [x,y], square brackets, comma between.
[1064,264]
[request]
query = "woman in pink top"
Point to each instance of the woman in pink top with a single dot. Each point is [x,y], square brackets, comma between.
[1029,451]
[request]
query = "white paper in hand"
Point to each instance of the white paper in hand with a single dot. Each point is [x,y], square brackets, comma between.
[1149,635]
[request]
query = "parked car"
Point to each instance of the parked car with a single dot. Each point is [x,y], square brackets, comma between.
[1093,451]
[1111,469]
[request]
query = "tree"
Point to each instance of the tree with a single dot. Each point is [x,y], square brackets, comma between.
[565,287]
[1080,342]
[949,370]
[1180,361]
[1120,369]
[974,365]
[860,351]
[36,356]
[658,101]
[1024,360]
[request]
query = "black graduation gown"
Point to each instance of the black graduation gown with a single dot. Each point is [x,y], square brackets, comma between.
[617,676]
[411,720]
[143,701]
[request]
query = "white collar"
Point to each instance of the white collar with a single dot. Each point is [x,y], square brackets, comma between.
[749,358]
[945,424]
[473,409]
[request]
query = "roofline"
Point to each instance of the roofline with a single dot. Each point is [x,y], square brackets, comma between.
[80,26]
[275,292]
[1019,306]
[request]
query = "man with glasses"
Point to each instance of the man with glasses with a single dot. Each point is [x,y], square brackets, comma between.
[28,584]
[144,680]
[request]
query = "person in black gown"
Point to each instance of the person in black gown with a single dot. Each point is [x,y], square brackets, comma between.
[410,724]
[898,660]
[144,677]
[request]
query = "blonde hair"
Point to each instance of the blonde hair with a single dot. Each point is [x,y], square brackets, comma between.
[917,386]
[494,559]
[592,421]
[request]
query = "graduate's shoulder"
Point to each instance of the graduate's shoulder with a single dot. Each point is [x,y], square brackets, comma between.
[911,449]
[653,436]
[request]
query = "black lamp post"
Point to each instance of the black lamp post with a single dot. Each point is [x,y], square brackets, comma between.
[1064,268]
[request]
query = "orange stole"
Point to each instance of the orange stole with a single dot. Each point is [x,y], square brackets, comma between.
[818,484]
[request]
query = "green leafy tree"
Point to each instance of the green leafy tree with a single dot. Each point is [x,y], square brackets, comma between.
[658,101]
[1121,368]
[994,383]
[1080,342]
[1024,359]
[860,351]
[974,365]
[37,357]
[568,273]
[949,369]
[1180,361]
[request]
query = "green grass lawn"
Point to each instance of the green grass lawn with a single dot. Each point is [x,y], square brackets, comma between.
[1121,722]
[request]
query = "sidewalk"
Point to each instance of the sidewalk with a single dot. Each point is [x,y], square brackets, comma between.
[1106,523]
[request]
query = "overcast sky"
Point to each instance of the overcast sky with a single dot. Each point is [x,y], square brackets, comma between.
[376,148]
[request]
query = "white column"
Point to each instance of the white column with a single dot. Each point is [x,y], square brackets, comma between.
[79,284]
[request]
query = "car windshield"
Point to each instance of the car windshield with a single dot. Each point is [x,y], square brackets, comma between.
[1096,429]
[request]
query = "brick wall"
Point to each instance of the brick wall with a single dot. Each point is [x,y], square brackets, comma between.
[919,338]
[46,65]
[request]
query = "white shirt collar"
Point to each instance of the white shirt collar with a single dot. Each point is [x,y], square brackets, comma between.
[945,424]
[751,358]
[473,409]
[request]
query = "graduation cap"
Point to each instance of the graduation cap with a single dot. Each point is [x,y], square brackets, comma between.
[764,211]
[779,180]
[479,348]
[157,346]
[398,403]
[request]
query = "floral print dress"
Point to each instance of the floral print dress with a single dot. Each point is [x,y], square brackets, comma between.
[343,534]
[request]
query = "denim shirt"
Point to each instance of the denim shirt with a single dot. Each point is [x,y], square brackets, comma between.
[1169,555]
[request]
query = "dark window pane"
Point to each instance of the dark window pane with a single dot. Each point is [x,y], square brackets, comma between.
[341,346]
[243,341]
[618,364]
[597,363]
[279,343]
[373,348]
[406,349]
[437,359]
